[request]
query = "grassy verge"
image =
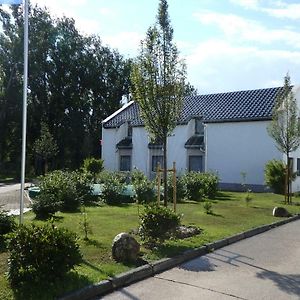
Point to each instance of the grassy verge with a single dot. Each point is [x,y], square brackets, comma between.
[230,215]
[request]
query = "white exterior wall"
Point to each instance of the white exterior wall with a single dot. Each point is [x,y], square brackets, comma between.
[109,153]
[141,154]
[140,142]
[176,150]
[236,147]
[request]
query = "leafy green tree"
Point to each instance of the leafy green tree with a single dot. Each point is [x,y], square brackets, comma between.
[285,127]
[158,82]
[45,147]
[74,83]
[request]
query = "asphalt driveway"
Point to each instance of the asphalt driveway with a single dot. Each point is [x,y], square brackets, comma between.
[10,198]
[266,266]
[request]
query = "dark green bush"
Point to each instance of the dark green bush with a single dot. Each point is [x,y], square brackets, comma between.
[61,190]
[93,166]
[41,254]
[145,192]
[157,223]
[45,205]
[7,225]
[275,175]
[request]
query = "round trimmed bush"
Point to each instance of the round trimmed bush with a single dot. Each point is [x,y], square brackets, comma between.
[157,223]
[41,253]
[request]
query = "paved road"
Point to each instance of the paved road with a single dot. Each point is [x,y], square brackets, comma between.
[10,198]
[266,266]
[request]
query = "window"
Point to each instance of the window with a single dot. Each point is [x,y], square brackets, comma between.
[125,163]
[196,163]
[298,166]
[199,128]
[155,160]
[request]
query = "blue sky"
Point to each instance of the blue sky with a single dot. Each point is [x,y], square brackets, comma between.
[227,44]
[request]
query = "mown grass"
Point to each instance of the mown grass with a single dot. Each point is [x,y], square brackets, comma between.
[230,215]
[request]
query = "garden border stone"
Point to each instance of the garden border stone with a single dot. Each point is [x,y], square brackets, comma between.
[123,279]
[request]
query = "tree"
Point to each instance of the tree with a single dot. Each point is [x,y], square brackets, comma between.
[158,82]
[285,128]
[45,147]
[74,83]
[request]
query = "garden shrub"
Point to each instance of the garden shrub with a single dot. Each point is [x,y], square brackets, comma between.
[45,205]
[193,186]
[275,175]
[137,176]
[61,190]
[210,184]
[93,166]
[112,190]
[7,225]
[180,188]
[157,223]
[207,205]
[41,254]
[145,192]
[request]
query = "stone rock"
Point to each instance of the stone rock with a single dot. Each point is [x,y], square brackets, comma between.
[125,248]
[280,212]
[183,232]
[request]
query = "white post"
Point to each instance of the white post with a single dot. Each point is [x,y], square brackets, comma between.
[25,80]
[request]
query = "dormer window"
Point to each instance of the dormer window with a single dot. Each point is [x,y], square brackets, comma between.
[199,127]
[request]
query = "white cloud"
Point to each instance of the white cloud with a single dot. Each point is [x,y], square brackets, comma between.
[88,26]
[278,9]
[246,3]
[238,28]
[218,66]
[126,42]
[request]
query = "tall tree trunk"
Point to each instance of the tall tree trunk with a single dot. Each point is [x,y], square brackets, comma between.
[165,172]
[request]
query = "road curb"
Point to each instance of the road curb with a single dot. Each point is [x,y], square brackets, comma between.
[148,270]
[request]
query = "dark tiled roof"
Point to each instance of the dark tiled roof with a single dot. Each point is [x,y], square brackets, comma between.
[232,106]
[126,143]
[195,141]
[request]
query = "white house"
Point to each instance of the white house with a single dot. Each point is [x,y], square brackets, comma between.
[224,133]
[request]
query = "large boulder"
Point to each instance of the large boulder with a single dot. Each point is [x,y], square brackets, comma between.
[125,248]
[280,212]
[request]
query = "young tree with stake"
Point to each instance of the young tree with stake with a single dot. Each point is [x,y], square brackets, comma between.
[285,128]
[158,82]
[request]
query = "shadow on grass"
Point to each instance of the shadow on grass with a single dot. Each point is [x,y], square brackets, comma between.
[221,196]
[43,290]
[216,215]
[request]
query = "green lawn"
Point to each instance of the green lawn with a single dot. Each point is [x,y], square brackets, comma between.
[231,215]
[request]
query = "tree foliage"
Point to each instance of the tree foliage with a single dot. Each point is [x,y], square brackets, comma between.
[158,77]
[74,83]
[285,126]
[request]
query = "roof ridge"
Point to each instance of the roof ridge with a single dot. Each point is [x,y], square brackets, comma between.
[237,91]
[118,111]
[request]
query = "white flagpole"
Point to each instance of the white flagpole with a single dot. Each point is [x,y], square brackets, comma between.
[25,80]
